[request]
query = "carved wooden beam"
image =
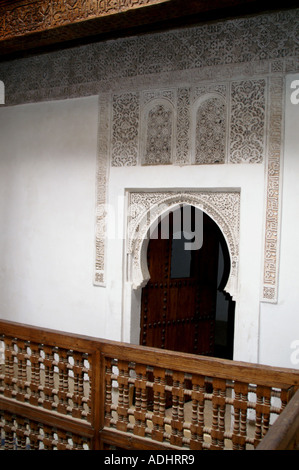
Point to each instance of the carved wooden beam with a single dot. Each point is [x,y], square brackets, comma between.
[20,18]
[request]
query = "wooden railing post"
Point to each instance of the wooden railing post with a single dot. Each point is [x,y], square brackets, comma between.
[97,399]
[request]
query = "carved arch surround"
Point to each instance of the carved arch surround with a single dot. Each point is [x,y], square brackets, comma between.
[145,208]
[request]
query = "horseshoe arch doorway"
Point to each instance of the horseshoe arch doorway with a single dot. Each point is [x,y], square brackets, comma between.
[183,305]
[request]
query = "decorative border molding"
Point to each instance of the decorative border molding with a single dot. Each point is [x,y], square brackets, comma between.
[102,178]
[274,165]
[145,208]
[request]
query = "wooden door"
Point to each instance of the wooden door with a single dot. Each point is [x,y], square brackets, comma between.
[178,304]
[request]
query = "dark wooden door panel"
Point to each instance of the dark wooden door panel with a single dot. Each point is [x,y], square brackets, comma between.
[179,313]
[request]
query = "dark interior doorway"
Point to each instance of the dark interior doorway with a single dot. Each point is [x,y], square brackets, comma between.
[183,306]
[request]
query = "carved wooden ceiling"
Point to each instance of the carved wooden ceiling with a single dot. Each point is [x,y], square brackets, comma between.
[30,26]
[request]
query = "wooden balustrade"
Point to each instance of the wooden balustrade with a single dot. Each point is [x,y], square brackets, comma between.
[65,391]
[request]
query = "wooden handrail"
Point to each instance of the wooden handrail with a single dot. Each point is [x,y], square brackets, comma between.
[84,392]
[215,367]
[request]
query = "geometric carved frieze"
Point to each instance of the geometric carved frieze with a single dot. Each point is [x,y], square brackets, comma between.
[146,207]
[244,47]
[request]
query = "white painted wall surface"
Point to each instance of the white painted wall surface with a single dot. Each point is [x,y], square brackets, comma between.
[47,212]
[279,328]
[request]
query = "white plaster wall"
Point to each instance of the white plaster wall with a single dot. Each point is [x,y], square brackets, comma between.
[250,180]
[47,210]
[279,328]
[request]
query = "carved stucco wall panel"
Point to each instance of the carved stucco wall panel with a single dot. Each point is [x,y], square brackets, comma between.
[210,131]
[199,114]
[125,129]
[183,126]
[158,145]
[247,130]
[247,133]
